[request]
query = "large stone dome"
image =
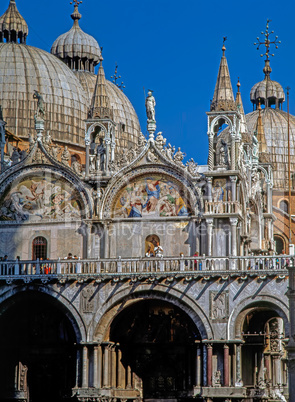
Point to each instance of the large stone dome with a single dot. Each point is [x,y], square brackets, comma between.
[24,69]
[275,124]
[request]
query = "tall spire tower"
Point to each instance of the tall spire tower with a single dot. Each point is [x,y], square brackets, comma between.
[223,98]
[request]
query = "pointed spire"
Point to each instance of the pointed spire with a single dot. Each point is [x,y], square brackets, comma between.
[223,98]
[260,132]
[240,107]
[13,27]
[100,106]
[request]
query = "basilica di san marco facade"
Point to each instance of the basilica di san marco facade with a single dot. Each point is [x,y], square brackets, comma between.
[127,274]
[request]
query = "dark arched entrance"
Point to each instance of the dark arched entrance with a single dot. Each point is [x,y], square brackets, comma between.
[37,349]
[264,358]
[159,342]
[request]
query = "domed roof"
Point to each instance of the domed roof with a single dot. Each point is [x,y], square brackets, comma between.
[124,115]
[12,25]
[24,69]
[275,123]
[76,48]
[267,90]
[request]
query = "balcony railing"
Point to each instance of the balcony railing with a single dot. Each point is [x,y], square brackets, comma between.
[121,266]
[222,207]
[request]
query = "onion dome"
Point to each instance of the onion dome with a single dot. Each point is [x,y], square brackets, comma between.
[223,98]
[13,27]
[267,92]
[77,49]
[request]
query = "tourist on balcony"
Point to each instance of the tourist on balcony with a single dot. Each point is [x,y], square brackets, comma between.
[196,262]
[158,250]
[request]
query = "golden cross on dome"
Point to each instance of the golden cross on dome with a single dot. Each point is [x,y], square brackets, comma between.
[267,42]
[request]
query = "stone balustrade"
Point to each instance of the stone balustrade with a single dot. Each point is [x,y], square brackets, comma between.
[126,266]
[222,207]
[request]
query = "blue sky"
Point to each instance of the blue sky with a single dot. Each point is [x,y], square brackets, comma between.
[174,48]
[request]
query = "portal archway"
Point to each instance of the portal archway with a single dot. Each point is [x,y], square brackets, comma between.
[37,348]
[162,346]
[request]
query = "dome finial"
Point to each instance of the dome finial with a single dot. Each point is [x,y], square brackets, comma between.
[76,16]
[223,46]
[267,42]
[238,85]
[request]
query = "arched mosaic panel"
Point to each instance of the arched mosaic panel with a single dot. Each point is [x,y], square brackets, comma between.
[40,196]
[151,196]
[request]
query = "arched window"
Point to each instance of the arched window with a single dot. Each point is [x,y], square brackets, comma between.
[284,206]
[279,244]
[39,248]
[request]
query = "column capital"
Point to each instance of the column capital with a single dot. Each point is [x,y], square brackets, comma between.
[233,221]
[233,179]
[209,221]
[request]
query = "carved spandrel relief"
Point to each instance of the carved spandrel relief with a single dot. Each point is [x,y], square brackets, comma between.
[87,300]
[219,306]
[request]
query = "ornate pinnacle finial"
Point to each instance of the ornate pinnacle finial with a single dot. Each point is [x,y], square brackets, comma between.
[238,84]
[115,77]
[223,46]
[267,42]
[76,15]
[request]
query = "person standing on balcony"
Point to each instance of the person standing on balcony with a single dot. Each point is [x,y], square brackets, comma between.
[158,250]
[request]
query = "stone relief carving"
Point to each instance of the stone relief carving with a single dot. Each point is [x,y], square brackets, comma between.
[87,300]
[218,306]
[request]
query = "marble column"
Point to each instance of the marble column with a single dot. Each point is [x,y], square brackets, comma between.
[87,143]
[211,151]
[121,371]
[209,181]
[233,180]
[99,366]
[85,364]
[233,152]
[95,366]
[226,365]
[239,365]
[234,365]
[106,368]
[233,223]
[129,378]
[209,222]
[209,365]
[78,368]
[198,367]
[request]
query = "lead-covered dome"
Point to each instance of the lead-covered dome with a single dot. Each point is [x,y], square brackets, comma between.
[24,69]
[76,48]
[275,124]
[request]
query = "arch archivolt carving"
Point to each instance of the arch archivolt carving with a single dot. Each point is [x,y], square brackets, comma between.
[124,298]
[59,300]
[194,193]
[238,314]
